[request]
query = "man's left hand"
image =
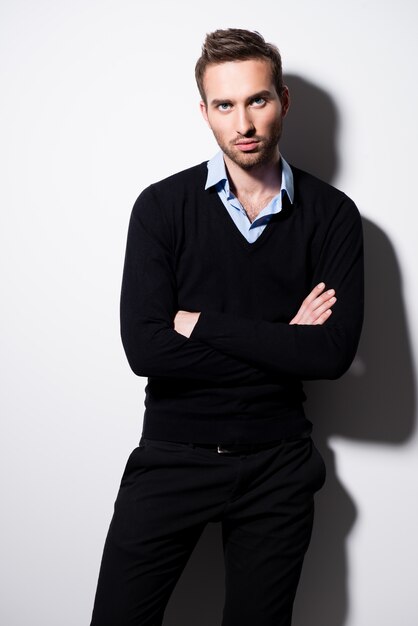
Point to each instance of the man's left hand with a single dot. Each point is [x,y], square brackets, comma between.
[185,321]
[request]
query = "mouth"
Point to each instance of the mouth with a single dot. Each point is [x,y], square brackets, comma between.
[246,145]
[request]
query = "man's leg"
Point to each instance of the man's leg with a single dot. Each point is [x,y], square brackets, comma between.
[151,536]
[266,532]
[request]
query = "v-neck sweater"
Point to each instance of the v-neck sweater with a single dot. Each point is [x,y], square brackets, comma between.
[238,377]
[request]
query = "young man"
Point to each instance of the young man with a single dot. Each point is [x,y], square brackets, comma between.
[231,274]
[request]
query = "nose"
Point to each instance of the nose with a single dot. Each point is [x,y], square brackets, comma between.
[244,123]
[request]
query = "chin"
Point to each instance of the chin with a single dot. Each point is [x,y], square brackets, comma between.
[251,160]
[248,165]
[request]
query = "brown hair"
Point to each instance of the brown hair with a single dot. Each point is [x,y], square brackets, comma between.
[236,44]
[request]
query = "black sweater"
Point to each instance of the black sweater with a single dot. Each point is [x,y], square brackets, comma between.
[238,377]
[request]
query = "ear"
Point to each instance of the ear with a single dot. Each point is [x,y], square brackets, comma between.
[204,111]
[285,100]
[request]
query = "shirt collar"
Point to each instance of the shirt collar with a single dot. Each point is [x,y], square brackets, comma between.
[217,175]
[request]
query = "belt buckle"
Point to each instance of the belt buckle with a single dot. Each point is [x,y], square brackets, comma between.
[222,450]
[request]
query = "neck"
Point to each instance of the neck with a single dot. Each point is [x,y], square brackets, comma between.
[262,179]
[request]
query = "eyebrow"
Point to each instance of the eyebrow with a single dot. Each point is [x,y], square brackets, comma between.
[260,94]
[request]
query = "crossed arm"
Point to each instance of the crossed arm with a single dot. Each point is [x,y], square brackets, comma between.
[315,309]
[212,346]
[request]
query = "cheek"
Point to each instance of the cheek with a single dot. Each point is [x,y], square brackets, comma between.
[273,121]
[220,129]
[272,127]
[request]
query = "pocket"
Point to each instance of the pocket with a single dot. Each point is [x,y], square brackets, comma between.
[133,463]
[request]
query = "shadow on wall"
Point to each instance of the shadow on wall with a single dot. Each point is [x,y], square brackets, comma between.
[374,401]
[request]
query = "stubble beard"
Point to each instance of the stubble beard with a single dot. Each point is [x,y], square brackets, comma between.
[265,153]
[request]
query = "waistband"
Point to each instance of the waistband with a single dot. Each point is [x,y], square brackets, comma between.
[242,448]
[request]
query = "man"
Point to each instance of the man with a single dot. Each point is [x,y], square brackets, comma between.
[231,273]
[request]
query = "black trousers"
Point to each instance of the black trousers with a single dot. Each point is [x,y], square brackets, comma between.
[170,491]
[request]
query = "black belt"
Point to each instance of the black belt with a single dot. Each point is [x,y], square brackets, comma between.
[245,448]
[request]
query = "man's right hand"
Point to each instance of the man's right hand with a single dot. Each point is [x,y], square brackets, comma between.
[316,308]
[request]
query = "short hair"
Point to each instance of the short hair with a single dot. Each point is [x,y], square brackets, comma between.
[236,44]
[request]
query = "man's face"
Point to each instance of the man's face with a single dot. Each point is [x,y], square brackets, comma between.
[244,111]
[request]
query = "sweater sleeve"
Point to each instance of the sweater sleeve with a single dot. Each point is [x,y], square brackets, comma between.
[148,306]
[304,351]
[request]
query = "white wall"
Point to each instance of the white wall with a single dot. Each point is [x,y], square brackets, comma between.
[98,100]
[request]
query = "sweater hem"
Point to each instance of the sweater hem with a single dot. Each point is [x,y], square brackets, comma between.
[232,430]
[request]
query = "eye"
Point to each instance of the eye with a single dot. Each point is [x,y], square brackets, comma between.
[224,106]
[258,102]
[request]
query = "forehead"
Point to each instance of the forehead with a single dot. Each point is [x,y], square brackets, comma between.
[237,79]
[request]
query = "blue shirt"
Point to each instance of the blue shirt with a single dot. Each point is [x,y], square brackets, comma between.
[217,177]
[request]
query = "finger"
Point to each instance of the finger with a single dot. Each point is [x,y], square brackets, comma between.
[314,299]
[322,299]
[316,307]
[325,306]
[310,317]
[323,318]
[316,291]
[321,304]
[314,294]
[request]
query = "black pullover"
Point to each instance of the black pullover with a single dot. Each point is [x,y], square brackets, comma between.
[238,377]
